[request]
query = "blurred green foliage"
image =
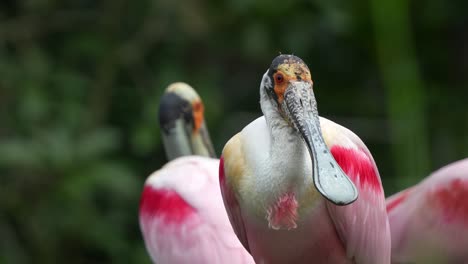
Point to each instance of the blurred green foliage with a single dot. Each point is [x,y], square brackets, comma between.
[80,83]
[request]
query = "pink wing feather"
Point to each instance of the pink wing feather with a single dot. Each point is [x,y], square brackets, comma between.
[362,226]
[182,216]
[429,221]
[232,207]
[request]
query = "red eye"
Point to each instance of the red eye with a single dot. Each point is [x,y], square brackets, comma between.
[197,106]
[279,78]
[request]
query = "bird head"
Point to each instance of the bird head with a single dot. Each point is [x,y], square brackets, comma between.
[182,122]
[289,86]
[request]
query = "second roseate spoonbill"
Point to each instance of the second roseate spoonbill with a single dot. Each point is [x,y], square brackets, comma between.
[288,200]
[182,123]
[429,221]
[182,216]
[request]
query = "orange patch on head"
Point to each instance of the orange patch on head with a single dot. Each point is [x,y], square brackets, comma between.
[289,71]
[197,109]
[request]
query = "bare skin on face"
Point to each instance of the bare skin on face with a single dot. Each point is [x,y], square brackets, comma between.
[289,71]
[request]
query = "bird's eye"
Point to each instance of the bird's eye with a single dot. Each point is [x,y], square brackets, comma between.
[196,107]
[279,78]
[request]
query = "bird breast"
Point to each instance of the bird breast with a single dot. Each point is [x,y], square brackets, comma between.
[279,179]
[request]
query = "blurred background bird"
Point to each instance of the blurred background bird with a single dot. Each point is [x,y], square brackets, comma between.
[287,198]
[182,217]
[429,221]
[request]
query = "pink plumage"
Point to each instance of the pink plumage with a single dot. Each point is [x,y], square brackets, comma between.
[284,212]
[363,225]
[429,221]
[299,188]
[182,216]
[166,204]
[356,233]
[359,166]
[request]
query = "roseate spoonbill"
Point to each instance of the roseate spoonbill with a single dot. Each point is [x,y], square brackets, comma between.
[429,221]
[182,216]
[283,189]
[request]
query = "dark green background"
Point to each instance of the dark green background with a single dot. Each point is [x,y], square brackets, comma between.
[80,83]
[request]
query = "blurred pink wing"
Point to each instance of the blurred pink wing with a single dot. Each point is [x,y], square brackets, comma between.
[232,206]
[182,216]
[362,226]
[429,221]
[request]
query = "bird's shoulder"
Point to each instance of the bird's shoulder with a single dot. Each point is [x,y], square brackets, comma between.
[352,154]
[430,219]
[252,143]
[440,192]
[335,134]
[232,169]
[367,236]
[232,164]
[187,177]
[446,190]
